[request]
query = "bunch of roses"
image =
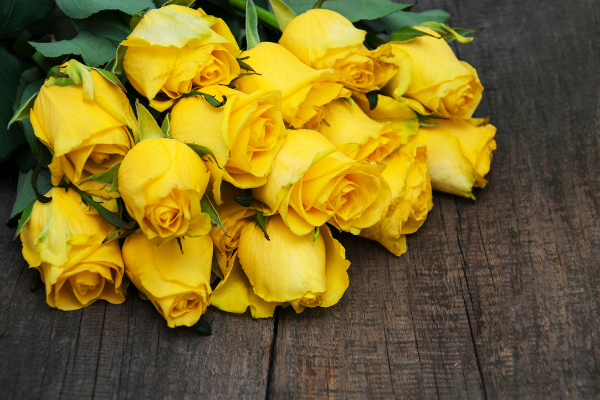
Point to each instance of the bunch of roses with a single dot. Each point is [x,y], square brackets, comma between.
[253,159]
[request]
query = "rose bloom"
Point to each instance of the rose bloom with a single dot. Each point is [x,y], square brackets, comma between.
[244,135]
[459,154]
[161,182]
[174,49]
[325,39]
[313,182]
[86,127]
[304,90]
[409,180]
[287,269]
[65,244]
[176,280]
[440,84]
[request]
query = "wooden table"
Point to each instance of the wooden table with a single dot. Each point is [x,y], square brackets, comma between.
[495,298]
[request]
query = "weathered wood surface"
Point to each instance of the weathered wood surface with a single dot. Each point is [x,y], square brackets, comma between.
[496,298]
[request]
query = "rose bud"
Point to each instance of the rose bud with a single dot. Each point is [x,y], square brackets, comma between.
[325,39]
[304,89]
[440,82]
[65,245]
[459,154]
[161,182]
[175,49]
[285,269]
[244,135]
[176,280]
[313,182]
[409,180]
[85,121]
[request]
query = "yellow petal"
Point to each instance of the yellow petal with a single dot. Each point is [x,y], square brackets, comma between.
[318,37]
[336,267]
[177,283]
[449,168]
[285,268]
[477,143]
[235,294]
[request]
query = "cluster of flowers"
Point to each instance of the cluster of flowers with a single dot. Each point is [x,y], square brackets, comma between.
[257,153]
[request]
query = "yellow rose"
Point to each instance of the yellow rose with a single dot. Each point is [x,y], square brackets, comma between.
[285,269]
[65,244]
[177,281]
[233,217]
[313,182]
[444,85]
[388,110]
[325,39]
[85,126]
[356,135]
[174,49]
[304,89]
[161,182]
[459,155]
[407,175]
[244,135]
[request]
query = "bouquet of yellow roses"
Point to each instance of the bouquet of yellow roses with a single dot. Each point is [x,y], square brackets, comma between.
[224,185]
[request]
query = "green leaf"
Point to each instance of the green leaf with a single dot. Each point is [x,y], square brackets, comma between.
[147,126]
[121,233]
[243,65]
[23,218]
[10,73]
[142,295]
[105,24]
[244,201]
[397,20]
[83,9]
[209,98]
[446,32]
[373,96]
[111,218]
[261,221]
[106,177]
[184,3]
[283,13]
[356,11]
[120,55]
[22,48]
[39,150]
[207,207]
[166,126]
[407,33]
[111,78]
[203,151]
[424,118]
[202,327]
[136,18]
[94,49]
[315,234]
[25,193]
[16,15]
[252,38]
[23,111]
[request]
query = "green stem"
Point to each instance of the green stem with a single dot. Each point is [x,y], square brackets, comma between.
[265,16]
[318,4]
[42,61]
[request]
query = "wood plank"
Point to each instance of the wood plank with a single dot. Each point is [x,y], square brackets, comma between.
[118,351]
[498,297]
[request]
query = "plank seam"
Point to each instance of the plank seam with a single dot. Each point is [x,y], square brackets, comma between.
[10,302]
[272,354]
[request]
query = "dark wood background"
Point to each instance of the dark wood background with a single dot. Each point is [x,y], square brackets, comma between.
[497,298]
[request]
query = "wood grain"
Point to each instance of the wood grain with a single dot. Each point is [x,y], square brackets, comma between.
[497,298]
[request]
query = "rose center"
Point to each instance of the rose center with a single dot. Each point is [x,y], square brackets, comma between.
[99,157]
